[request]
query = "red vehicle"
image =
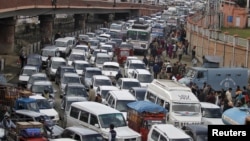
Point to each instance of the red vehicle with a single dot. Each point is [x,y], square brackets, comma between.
[143,114]
[122,54]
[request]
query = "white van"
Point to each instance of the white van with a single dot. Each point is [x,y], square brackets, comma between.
[64,45]
[167,132]
[98,117]
[183,106]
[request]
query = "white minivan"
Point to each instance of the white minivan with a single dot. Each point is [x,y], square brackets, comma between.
[167,132]
[182,105]
[98,117]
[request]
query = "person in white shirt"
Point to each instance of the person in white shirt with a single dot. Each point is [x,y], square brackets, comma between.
[229,94]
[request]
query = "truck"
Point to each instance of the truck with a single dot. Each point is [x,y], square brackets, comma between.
[143,114]
[217,77]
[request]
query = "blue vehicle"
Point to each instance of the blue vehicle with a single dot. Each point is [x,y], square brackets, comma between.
[235,115]
[35,60]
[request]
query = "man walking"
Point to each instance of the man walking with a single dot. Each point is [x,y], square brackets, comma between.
[112,133]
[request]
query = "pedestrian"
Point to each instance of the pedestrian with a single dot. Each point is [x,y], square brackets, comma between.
[229,94]
[91,93]
[180,52]
[57,35]
[23,58]
[145,60]
[194,62]
[112,133]
[7,124]
[118,75]
[193,52]
[46,93]
[156,70]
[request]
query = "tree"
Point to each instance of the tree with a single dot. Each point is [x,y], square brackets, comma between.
[241,3]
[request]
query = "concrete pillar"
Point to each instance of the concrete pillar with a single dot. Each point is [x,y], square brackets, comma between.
[7,35]
[79,21]
[224,50]
[46,27]
[235,42]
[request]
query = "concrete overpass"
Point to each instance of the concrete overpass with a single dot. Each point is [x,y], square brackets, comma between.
[45,9]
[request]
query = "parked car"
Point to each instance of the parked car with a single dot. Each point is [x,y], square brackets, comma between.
[127,83]
[138,92]
[53,65]
[197,132]
[69,78]
[36,77]
[25,74]
[49,51]
[81,134]
[46,107]
[211,114]
[35,60]
[38,87]
[61,70]
[89,73]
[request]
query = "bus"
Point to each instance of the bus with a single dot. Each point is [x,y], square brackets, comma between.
[139,36]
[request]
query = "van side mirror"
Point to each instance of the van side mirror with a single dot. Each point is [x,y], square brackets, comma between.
[97,125]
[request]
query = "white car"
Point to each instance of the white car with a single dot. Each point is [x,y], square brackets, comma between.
[25,74]
[100,80]
[83,47]
[109,49]
[211,114]
[110,69]
[119,100]
[143,75]
[94,54]
[36,77]
[127,83]
[64,45]
[80,66]
[101,58]
[46,107]
[75,55]
[133,64]
[69,77]
[103,90]
[53,65]
[38,87]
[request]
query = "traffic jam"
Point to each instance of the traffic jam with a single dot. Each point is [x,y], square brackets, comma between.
[115,83]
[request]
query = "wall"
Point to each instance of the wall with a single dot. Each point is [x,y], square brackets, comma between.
[233,50]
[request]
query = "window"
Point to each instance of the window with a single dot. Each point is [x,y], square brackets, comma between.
[111,101]
[84,116]
[67,134]
[151,97]
[160,102]
[93,120]
[200,75]
[74,112]
[155,135]
[162,138]
[77,137]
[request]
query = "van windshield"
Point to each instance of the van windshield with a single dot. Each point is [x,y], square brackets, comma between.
[185,109]
[101,60]
[116,118]
[147,78]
